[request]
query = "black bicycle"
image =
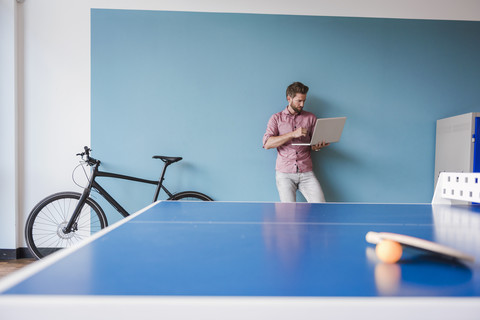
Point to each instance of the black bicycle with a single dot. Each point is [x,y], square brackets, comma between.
[63,219]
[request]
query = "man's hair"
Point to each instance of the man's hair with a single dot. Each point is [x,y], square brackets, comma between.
[296,87]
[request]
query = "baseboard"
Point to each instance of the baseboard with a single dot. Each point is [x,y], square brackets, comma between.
[19,253]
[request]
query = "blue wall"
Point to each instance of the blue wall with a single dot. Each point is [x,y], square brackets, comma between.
[203,86]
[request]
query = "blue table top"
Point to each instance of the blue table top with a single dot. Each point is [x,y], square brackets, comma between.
[268,249]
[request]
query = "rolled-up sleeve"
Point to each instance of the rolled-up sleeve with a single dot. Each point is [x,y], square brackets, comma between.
[272,129]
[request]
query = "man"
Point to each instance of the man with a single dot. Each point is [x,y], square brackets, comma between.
[294,163]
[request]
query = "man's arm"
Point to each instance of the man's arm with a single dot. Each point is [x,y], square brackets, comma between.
[277,141]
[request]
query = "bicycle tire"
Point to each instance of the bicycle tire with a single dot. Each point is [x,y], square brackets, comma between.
[43,230]
[190,196]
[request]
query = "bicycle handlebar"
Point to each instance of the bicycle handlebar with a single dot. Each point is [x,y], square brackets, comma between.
[89,160]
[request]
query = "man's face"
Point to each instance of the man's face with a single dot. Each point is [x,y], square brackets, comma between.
[295,104]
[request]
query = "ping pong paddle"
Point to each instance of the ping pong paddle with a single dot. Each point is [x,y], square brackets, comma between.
[417,243]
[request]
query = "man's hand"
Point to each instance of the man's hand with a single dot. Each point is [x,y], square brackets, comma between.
[319,146]
[300,132]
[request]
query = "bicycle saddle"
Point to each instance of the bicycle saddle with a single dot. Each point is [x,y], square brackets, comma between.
[168,159]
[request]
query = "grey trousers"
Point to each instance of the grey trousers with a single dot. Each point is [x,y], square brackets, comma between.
[306,182]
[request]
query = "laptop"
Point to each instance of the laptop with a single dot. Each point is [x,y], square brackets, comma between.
[326,129]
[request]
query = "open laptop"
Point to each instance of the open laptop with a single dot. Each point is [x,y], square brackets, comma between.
[326,129]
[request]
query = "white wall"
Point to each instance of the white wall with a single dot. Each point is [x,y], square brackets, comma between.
[55,91]
[7,125]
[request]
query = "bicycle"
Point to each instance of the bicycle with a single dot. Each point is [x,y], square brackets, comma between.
[63,219]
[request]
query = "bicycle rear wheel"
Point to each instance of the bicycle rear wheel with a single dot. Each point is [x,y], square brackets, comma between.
[44,228]
[190,196]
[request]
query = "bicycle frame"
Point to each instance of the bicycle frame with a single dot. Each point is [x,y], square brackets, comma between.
[95,185]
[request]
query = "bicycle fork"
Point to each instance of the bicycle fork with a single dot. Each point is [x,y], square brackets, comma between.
[72,223]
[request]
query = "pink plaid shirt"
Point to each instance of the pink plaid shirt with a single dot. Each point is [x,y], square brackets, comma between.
[291,159]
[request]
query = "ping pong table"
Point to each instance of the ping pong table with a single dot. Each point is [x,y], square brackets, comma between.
[236,260]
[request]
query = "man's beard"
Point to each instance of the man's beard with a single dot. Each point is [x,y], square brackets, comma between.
[297,111]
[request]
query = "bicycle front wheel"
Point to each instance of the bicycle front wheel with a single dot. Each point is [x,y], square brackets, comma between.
[190,196]
[44,229]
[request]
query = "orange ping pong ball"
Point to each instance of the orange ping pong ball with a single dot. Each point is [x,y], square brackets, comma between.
[388,251]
